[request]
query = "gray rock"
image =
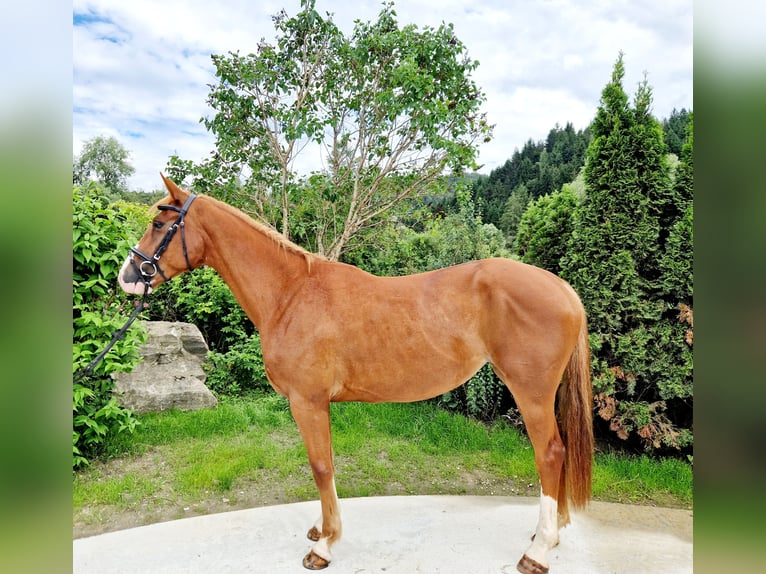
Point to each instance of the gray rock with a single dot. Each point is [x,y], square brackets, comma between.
[170,373]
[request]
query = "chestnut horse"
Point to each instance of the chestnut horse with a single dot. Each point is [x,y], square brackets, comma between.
[332,332]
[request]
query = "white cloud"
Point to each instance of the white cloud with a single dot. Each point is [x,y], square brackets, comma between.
[141,68]
[529,112]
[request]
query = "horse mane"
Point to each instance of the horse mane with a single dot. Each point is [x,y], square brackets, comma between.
[269,232]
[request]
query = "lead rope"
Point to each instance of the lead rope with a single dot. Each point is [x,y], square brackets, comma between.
[116,336]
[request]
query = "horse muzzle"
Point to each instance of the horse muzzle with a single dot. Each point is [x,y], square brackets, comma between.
[130,279]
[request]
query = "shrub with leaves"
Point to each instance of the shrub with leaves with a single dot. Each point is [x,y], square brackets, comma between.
[102,234]
[238,370]
[482,397]
[432,242]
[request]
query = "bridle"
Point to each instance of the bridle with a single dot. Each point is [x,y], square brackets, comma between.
[150,266]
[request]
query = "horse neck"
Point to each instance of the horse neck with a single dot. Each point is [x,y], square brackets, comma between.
[260,271]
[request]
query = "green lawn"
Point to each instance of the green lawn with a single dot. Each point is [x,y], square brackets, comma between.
[248,452]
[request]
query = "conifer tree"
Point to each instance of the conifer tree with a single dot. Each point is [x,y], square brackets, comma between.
[615,234]
[615,260]
[677,290]
[545,228]
[514,208]
[676,264]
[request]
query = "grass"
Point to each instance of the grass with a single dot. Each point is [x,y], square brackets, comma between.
[112,492]
[640,479]
[248,452]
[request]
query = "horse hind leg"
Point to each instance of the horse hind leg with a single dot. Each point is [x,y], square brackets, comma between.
[549,458]
[536,398]
[313,421]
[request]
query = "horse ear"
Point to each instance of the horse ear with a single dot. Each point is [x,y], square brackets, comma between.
[175,192]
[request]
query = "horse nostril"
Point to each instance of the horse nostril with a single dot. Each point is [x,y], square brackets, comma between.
[128,272]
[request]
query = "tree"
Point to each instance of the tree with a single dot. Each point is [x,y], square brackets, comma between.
[684,176]
[545,229]
[105,160]
[678,250]
[674,130]
[617,259]
[614,227]
[388,108]
[651,157]
[542,167]
[514,209]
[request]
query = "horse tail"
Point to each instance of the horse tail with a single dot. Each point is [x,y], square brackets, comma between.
[575,415]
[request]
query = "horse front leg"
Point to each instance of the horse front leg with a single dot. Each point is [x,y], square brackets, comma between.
[313,420]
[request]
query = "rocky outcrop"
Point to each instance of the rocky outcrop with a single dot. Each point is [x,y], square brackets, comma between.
[170,373]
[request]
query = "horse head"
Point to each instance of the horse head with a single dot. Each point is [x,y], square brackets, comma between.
[170,245]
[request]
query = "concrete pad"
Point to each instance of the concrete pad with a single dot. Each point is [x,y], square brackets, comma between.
[399,534]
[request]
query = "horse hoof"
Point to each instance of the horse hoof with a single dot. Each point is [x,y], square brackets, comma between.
[314,534]
[315,562]
[528,566]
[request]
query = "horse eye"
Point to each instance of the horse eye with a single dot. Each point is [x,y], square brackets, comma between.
[158,225]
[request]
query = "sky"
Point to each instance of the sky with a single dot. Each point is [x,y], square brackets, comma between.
[142,69]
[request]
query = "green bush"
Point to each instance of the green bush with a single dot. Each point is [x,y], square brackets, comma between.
[239,369]
[545,227]
[102,234]
[482,397]
[428,242]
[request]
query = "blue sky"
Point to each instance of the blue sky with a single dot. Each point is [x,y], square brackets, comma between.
[142,68]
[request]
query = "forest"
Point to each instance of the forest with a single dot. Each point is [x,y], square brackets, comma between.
[608,208]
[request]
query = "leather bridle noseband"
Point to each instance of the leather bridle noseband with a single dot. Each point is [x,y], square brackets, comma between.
[150,266]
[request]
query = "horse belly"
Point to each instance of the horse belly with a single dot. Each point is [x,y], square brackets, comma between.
[408,369]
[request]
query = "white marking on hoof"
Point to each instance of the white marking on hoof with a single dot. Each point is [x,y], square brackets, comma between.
[547,533]
[322,550]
